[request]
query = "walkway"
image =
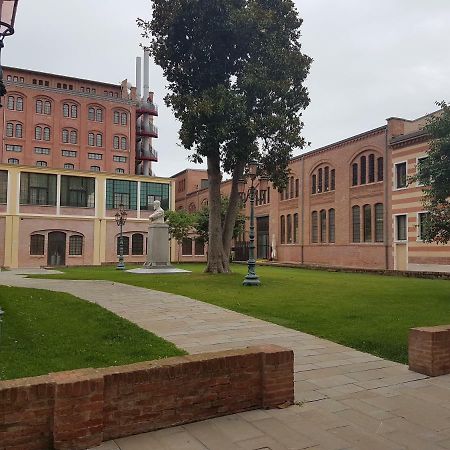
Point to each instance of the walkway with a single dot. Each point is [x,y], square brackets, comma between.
[347,399]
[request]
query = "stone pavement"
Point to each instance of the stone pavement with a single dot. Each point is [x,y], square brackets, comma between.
[346,399]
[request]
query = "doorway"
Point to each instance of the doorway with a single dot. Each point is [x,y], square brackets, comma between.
[56,254]
[262,238]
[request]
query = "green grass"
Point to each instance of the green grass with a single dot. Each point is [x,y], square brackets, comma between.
[46,331]
[372,313]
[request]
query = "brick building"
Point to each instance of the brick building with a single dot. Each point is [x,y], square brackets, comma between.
[347,204]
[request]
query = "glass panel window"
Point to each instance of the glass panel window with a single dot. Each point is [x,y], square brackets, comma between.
[39,106]
[66,110]
[9,129]
[327,179]
[401,227]
[41,163]
[47,107]
[3,186]
[37,244]
[356,224]
[297,188]
[400,175]
[123,118]
[121,191]
[91,113]
[120,170]
[199,247]
[371,168]
[323,226]
[91,139]
[116,117]
[74,111]
[333,179]
[154,191]
[123,143]
[367,223]
[38,133]
[13,161]
[331,225]
[379,222]
[46,134]
[186,247]
[65,136]
[19,104]
[314,184]
[320,181]
[363,174]
[315,227]
[13,148]
[282,229]
[137,244]
[69,166]
[295,228]
[77,192]
[289,229]
[99,140]
[354,174]
[122,159]
[75,245]
[95,169]
[95,156]
[19,130]
[69,153]
[73,137]
[116,142]
[37,189]
[99,115]
[422,225]
[11,102]
[380,169]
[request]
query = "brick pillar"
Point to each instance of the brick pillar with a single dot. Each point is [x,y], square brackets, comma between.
[277,376]
[78,415]
[429,350]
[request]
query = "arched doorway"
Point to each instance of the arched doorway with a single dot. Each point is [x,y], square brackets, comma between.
[56,254]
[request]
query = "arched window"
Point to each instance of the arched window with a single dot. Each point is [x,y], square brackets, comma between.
[320,181]
[327,179]
[74,111]
[379,222]
[9,129]
[73,137]
[297,189]
[282,229]
[356,224]
[116,117]
[11,102]
[65,110]
[91,113]
[38,133]
[99,115]
[65,136]
[99,140]
[95,169]
[289,228]
[46,134]
[137,244]
[371,168]
[291,194]
[367,211]
[19,130]
[123,118]
[41,163]
[76,245]
[91,139]
[39,106]
[363,178]
[314,184]
[354,174]
[13,161]
[314,227]
[120,170]
[116,142]
[331,225]
[380,169]
[69,166]
[47,107]
[125,245]
[123,143]
[333,179]
[296,228]
[19,104]
[37,244]
[323,225]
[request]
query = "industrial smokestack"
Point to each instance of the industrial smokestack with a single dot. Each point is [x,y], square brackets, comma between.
[146,74]
[139,77]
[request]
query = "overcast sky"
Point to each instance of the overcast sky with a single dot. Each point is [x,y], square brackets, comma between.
[372,60]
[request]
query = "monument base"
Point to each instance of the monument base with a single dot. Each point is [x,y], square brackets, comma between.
[158,248]
[158,270]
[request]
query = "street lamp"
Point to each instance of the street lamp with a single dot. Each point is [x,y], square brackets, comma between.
[121,218]
[251,279]
[8,10]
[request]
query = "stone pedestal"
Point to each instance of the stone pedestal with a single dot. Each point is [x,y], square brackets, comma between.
[158,248]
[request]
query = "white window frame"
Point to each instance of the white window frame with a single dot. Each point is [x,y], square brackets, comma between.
[417,165]
[418,226]
[396,239]
[395,175]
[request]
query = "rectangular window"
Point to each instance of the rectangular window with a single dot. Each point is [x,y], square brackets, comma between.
[314,227]
[137,244]
[363,174]
[13,148]
[37,244]
[289,229]
[295,228]
[423,218]
[400,175]
[320,181]
[78,192]
[420,165]
[331,225]
[41,151]
[69,153]
[380,169]
[356,224]
[367,223]
[95,156]
[327,179]
[122,159]
[3,186]
[354,174]
[121,191]
[313,184]
[379,222]
[323,226]
[37,189]
[333,179]
[75,245]
[282,229]
[154,191]
[401,227]
[186,247]
[199,247]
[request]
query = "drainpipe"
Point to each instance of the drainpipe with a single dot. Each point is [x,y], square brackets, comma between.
[303,212]
[387,219]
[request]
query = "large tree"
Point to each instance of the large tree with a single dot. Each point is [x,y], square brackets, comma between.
[235,73]
[434,174]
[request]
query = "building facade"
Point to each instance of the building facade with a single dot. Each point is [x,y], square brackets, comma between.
[348,204]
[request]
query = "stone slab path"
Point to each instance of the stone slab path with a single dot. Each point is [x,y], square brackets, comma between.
[347,399]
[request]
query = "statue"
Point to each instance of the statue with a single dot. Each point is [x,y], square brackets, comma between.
[158,214]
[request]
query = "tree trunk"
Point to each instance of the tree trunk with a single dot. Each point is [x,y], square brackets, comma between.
[232,212]
[215,246]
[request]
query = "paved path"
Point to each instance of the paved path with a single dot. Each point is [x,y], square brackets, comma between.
[350,400]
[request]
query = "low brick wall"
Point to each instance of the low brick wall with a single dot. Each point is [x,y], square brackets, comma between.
[81,408]
[429,350]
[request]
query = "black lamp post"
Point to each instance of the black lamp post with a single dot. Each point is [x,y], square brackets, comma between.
[121,218]
[251,279]
[8,10]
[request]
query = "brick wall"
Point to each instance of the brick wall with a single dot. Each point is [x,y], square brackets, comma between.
[429,350]
[80,409]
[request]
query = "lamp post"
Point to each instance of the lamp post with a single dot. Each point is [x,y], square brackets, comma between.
[8,10]
[121,218]
[251,279]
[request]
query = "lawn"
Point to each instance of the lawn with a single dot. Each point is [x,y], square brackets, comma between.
[372,313]
[46,331]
